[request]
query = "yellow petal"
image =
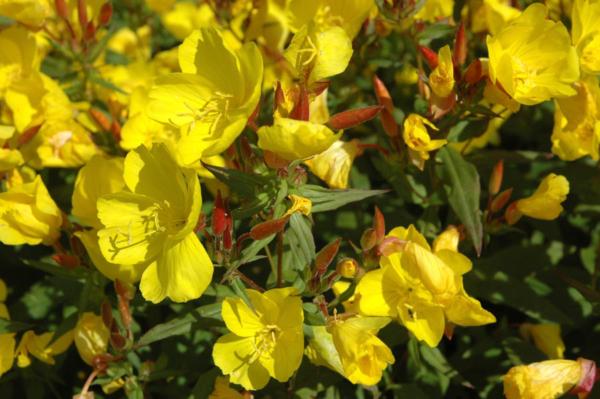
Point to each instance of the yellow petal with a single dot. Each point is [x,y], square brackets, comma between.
[181,273]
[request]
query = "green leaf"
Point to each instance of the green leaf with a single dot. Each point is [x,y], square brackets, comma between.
[180,325]
[324,199]
[56,270]
[467,129]
[461,182]
[301,239]
[10,326]
[205,384]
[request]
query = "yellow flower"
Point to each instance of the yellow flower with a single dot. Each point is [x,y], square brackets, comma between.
[7,341]
[185,17]
[545,203]
[347,14]
[222,390]
[435,9]
[543,380]
[40,347]
[100,176]
[334,164]
[266,341]
[577,122]
[492,15]
[28,215]
[586,34]
[153,221]
[362,354]
[31,13]
[299,204]
[90,336]
[319,54]
[293,139]
[421,288]
[9,158]
[525,65]
[441,78]
[418,140]
[212,98]
[350,304]
[19,55]
[546,338]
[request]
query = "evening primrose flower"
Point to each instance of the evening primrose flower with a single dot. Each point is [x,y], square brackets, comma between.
[418,140]
[30,13]
[100,176]
[492,15]
[545,202]
[347,14]
[293,139]
[441,78]
[334,164]
[421,287]
[41,347]
[223,390]
[532,58]
[28,215]
[363,356]
[435,9]
[316,55]
[19,56]
[212,98]
[91,336]
[586,34]
[576,130]
[544,380]
[7,341]
[264,341]
[153,222]
[546,338]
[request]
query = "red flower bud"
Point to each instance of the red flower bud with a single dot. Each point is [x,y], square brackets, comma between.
[460,46]
[354,117]
[82,14]
[90,32]
[106,312]
[474,72]
[61,9]
[496,178]
[326,256]
[100,118]
[265,229]
[105,14]
[512,214]
[368,239]
[383,95]
[301,110]
[219,216]
[501,200]
[430,56]
[379,225]
[66,260]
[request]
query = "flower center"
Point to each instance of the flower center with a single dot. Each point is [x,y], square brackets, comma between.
[266,339]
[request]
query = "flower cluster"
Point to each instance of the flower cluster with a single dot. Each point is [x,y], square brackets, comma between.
[207,170]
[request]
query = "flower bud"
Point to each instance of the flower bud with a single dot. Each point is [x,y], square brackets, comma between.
[354,117]
[91,336]
[82,14]
[379,224]
[301,110]
[496,178]
[105,14]
[501,200]
[325,256]
[61,9]
[265,229]
[368,239]
[430,56]
[474,72]
[347,268]
[460,45]
[512,214]
[219,216]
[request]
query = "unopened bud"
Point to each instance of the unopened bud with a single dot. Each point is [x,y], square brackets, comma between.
[301,110]
[90,337]
[82,14]
[105,14]
[383,95]
[90,32]
[326,256]
[354,117]
[512,214]
[347,268]
[460,46]
[61,9]
[496,178]
[368,240]
[265,229]
[501,200]
[379,224]
[100,118]
[474,72]
[106,312]
[430,56]
[66,260]
[219,216]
